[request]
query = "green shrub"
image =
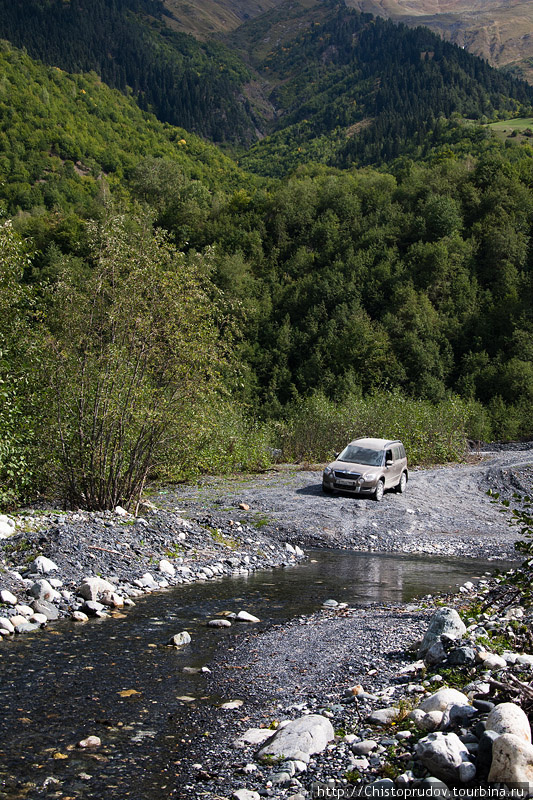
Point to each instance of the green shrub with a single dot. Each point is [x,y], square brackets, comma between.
[132,347]
[17,476]
[432,433]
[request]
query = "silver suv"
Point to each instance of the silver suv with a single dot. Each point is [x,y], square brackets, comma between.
[368,466]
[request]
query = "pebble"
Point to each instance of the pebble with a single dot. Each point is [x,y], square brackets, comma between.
[90,741]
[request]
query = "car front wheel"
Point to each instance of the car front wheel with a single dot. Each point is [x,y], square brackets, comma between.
[379,491]
[326,489]
[402,484]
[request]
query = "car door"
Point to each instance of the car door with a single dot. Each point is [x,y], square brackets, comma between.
[389,470]
[398,464]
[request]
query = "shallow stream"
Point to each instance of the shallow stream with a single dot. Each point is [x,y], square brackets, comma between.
[114,678]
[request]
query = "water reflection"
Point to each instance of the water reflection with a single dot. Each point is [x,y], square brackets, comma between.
[115,679]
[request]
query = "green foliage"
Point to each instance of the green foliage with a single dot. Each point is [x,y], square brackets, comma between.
[187,83]
[520,509]
[16,428]
[219,437]
[352,89]
[132,343]
[65,140]
[431,433]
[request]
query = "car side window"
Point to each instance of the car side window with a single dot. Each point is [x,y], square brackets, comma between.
[396,453]
[388,456]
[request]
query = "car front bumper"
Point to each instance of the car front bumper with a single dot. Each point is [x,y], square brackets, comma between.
[356,486]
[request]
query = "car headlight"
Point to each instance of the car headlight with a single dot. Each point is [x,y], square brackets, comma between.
[328,470]
[370,476]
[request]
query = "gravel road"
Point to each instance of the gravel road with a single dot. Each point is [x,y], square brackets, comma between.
[444,511]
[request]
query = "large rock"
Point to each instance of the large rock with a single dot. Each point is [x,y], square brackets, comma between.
[299,739]
[512,761]
[112,599]
[442,754]
[443,699]
[44,565]
[245,616]
[509,718]
[46,608]
[180,639]
[6,626]
[384,716]
[7,527]
[42,590]
[446,621]
[167,568]
[8,597]
[92,588]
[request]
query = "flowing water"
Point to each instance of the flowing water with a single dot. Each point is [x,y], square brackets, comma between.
[115,678]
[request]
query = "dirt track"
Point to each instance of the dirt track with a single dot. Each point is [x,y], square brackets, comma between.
[445,510]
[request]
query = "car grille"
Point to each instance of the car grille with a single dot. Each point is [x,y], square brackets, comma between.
[351,476]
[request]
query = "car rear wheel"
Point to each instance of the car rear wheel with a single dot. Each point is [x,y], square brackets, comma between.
[379,491]
[402,484]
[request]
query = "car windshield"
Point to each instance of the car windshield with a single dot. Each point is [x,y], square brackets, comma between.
[361,455]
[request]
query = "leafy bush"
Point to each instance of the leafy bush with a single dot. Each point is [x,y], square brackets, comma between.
[132,346]
[220,438]
[16,431]
[431,433]
[520,580]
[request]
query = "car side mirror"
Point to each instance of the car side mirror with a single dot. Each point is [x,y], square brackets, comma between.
[389,462]
[336,455]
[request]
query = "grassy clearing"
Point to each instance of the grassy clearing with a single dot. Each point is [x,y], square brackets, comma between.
[519,129]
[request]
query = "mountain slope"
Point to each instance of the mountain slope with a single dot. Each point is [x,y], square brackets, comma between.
[499,30]
[349,88]
[213,16]
[60,134]
[127,42]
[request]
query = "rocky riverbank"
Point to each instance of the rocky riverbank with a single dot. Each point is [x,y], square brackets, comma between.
[347,682]
[382,698]
[82,564]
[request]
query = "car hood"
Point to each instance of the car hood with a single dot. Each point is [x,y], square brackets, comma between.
[351,466]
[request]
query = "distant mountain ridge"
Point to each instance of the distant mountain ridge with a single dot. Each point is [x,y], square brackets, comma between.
[213,16]
[499,30]
[308,80]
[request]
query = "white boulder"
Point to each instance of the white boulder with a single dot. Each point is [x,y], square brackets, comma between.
[446,621]
[442,754]
[299,739]
[167,568]
[244,616]
[44,565]
[92,588]
[443,699]
[7,527]
[512,761]
[180,639]
[8,598]
[509,718]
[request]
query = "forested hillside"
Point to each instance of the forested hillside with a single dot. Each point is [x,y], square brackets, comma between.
[129,45]
[324,82]
[165,312]
[353,89]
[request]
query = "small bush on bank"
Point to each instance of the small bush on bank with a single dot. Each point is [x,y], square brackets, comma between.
[220,438]
[314,427]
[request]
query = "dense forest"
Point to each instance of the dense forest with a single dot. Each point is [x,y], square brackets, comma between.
[127,43]
[166,311]
[336,86]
